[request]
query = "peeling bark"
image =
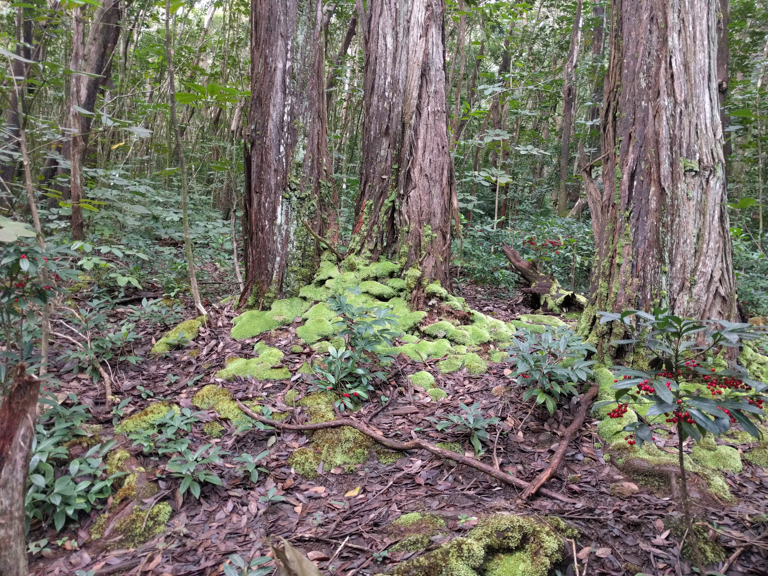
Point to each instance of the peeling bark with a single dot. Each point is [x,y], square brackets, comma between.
[661,222]
[288,168]
[407,189]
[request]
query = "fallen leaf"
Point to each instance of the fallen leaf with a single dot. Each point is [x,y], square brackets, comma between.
[352,493]
[603,552]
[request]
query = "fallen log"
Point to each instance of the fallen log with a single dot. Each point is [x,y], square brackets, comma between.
[565,439]
[547,292]
[17,431]
[405,446]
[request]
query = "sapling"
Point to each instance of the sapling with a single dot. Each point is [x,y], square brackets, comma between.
[685,382]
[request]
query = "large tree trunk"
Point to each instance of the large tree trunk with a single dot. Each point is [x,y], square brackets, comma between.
[407,189]
[17,431]
[569,105]
[288,169]
[661,222]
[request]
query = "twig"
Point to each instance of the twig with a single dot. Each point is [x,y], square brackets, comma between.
[323,240]
[405,446]
[565,439]
[732,559]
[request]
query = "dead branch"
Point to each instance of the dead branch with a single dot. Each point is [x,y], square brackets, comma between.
[405,446]
[17,431]
[570,432]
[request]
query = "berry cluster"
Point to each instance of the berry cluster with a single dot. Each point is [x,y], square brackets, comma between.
[619,411]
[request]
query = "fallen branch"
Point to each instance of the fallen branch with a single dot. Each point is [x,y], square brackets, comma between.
[405,446]
[551,295]
[17,432]
[322,240]
[570,432]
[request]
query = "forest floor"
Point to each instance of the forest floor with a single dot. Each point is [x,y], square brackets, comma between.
[342,517]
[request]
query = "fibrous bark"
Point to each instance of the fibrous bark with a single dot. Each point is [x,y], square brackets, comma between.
[407,188]
[288,168]
[17,431]
[661,223]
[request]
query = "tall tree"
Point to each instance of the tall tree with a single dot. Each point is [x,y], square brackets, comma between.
[288,168]
[569,108]
[661,223]
[407,189]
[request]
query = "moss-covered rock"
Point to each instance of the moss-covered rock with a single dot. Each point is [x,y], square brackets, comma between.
[259,368]
[146,419]
[282,312]
[220,400]
[500,545]
[423,379]
[189,328]
[134,529]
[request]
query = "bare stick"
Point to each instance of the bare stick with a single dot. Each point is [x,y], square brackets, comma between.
[567,436]
[405,446]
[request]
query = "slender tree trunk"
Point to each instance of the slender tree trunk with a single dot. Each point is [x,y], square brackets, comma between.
[17,432]
[407,189]
[288,169]
[661,223]
[569,105]
[182,165]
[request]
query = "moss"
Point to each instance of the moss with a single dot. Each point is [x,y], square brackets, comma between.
[423,379]
[711,552]
[145,419]
[314,330]
[542,319]
[500,545]
[259,368]
[437,394]
[282,312]
[213,429]
[296,349]
[314,293]
[759,455]
[115,461]
[397,284]
[378,290]
[190,328]
[472,362]
[719,458]
[305,461]
[220,400]
[532,328]
[135,529]
[319,310]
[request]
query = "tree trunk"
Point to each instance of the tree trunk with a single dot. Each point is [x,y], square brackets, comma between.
[407,189]
[288,169]
[17,431]
[661,223]
[569,103]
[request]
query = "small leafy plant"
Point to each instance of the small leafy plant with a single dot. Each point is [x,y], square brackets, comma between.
[550,364]
[469,423]
[686,383]
[190,467]
[352,370]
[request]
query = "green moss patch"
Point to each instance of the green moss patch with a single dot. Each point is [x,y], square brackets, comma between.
[500,545]
[190,328]
[146,419]
[259,368]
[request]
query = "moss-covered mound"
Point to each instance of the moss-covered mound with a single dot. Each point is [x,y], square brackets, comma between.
[500,545]
[260,368]
[146,419]
[189,328]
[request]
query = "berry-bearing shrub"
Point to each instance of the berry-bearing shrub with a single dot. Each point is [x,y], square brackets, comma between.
[686,381]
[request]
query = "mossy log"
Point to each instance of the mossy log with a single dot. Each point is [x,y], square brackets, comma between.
[546,290]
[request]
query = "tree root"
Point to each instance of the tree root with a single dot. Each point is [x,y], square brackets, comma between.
[565,439]
[405,446]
